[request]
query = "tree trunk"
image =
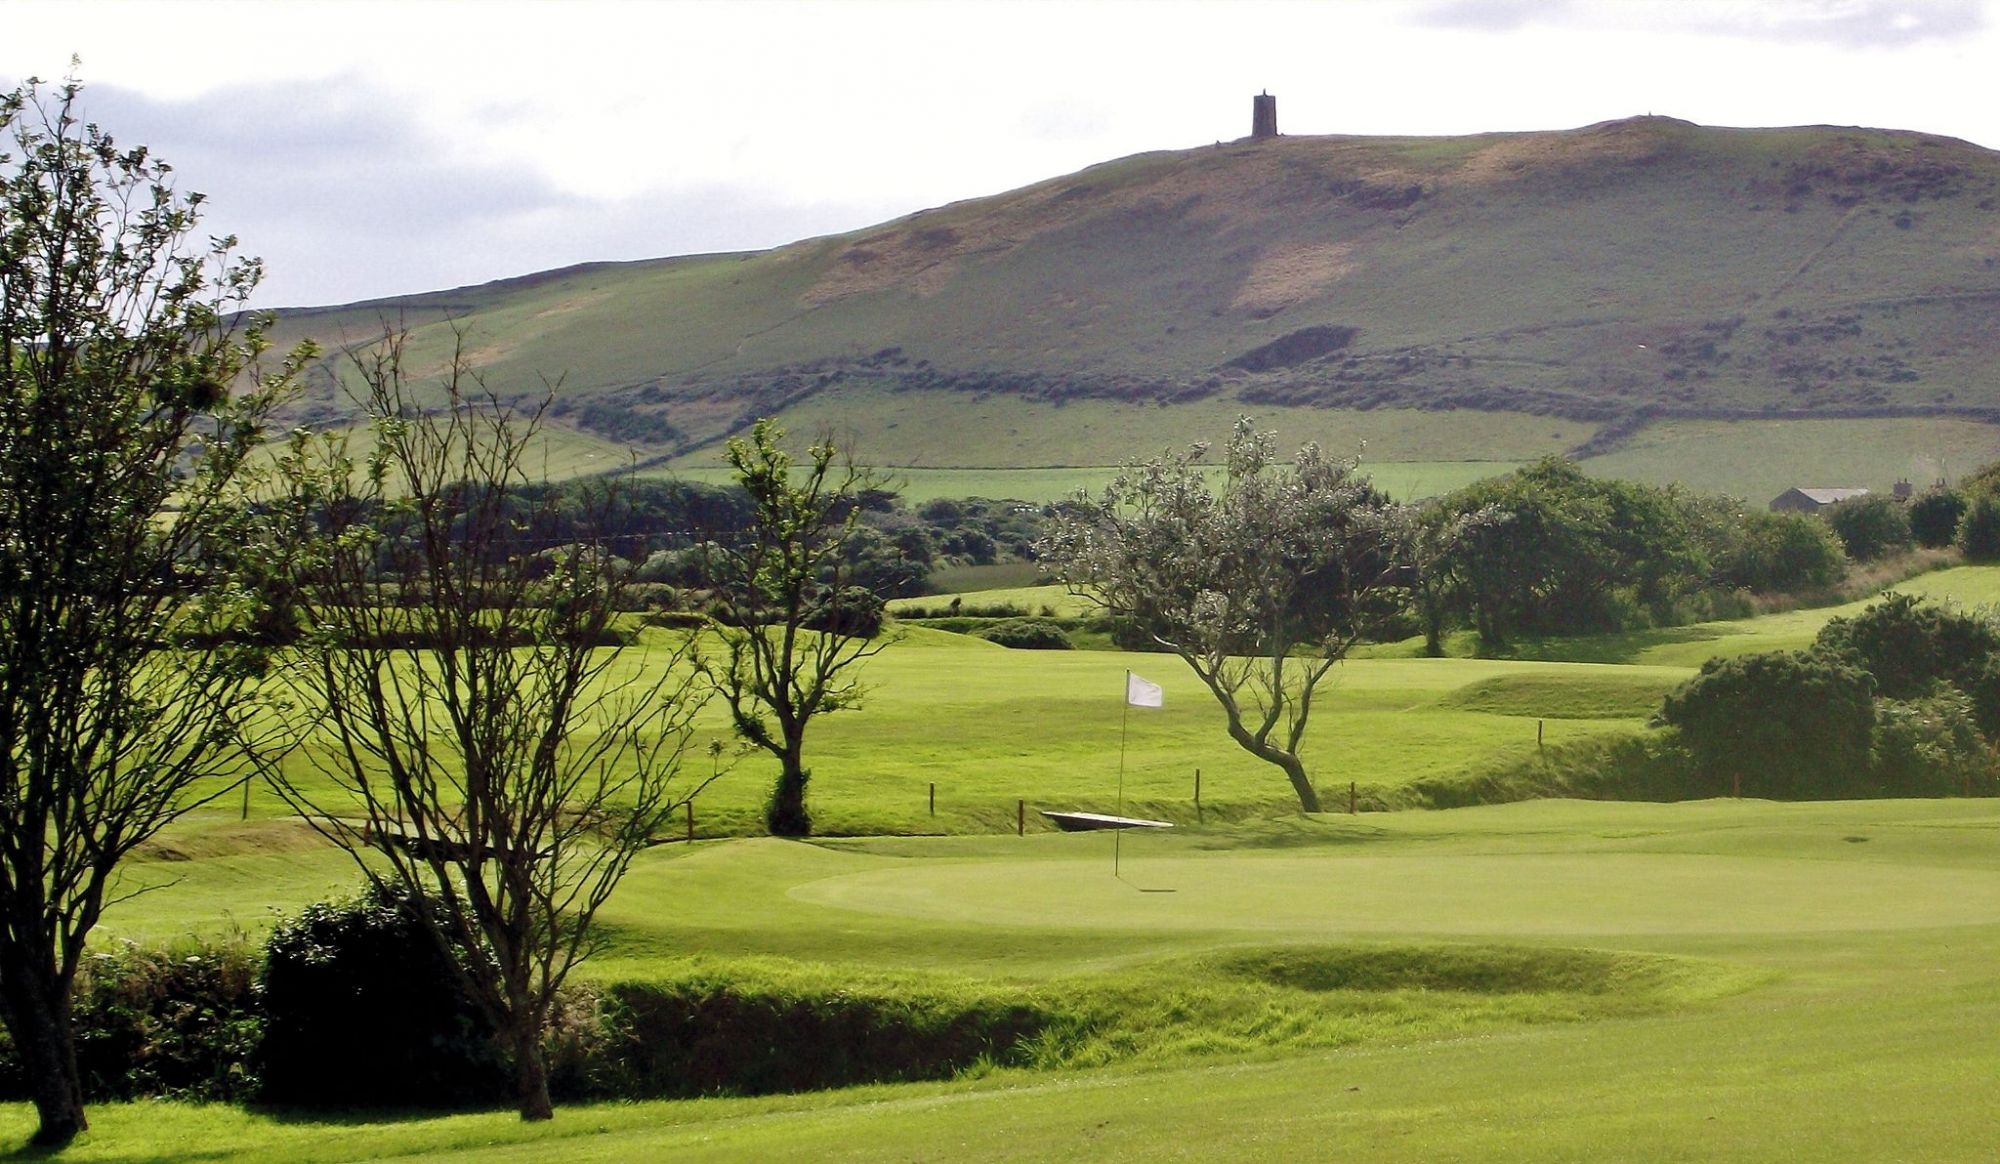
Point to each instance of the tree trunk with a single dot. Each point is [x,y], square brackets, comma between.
[786,814]
[1295,771]
[38,1019]
[531,1074]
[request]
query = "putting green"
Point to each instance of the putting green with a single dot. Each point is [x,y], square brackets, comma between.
[1331,896]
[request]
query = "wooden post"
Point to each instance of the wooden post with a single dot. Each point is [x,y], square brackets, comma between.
[1197,795]
[1351,806]
[1020,818]
[933,798]
[690,808]
[1538,735]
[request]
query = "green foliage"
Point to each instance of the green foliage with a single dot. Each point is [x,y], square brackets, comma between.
[181,1022]
[364,1008]
[1909,644]
[1930,746]
[1776,553]
[1870,527]
[853,611]
[1027,634]
[1979,528]
[131,399]
[789,570]
[1557,552]
[1784,723]
[1934,516]
[716,1035]
[1261,582]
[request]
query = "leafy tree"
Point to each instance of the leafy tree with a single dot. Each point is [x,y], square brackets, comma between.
[475,743]
[1437,543]
[1784,723]
[1934,516]
[1260,584]
[1560,552]
[785,573]
[1979,528]
[122,535]
[1870,527]
[1777,553]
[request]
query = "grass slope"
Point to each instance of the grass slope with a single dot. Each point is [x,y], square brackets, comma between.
[1433,290]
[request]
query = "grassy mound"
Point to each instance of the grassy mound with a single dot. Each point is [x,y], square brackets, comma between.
[1563,695]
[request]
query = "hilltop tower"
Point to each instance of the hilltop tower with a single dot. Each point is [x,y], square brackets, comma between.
[1264,115]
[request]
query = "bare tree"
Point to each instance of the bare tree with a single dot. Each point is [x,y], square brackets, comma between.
[1260,583]
[475,733]
[795,626]
[122,450]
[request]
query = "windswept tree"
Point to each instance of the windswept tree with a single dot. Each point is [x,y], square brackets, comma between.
[794,625]
[1260,582]
[474,731]
[123,439]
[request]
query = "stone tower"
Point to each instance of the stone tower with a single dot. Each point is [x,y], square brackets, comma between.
[1264,115]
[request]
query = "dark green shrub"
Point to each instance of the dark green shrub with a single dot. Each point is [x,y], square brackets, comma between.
[1779,553]
[1027,634]
[363,1008]
[854,610]
[1784,723]
[1870,527]
[179,1023]
[1928,747]
[1979,529]
[1934,517]
[712,1037]
[1908,645]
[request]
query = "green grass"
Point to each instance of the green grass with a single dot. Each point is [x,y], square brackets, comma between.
[1550,981]
[1712,272]
[1408,480]
[1757,460]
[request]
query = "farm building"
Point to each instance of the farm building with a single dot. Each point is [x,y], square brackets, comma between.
[1804,500]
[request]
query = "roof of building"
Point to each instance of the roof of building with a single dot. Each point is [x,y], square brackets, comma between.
[1826,496]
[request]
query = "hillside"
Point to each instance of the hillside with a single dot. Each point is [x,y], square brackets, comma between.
[1491,297]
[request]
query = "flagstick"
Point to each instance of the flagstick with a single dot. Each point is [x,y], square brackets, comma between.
[1124,721]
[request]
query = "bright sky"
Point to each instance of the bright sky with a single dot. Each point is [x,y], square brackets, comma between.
[367,148]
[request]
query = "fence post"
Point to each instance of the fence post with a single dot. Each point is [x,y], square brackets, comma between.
[1020,818]
[690,808]
[933,798]
[1351,809]
[1197,795]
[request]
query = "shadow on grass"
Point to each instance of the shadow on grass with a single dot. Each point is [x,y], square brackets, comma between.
[1624,647]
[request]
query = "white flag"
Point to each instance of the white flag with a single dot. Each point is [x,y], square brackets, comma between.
[1140,693]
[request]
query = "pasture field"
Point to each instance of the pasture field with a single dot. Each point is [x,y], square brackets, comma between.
[1406,480]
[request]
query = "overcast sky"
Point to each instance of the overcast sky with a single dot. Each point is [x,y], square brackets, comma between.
[365,148]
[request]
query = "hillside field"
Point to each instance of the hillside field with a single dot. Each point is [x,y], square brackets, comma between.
[1710,979]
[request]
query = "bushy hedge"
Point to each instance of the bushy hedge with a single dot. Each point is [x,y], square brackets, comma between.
[1902,699]
[709,1036]
[181,1022]
[364,1009]
[1783,723]
[1027,634]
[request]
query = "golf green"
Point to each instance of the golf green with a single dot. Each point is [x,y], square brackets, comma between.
[1331,896]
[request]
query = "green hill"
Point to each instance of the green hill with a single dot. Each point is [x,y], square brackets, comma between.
[1628,289]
